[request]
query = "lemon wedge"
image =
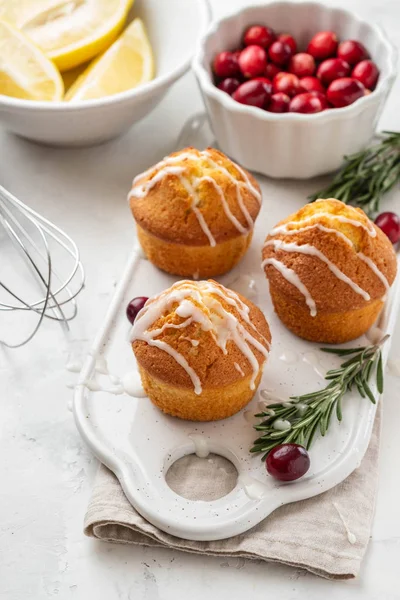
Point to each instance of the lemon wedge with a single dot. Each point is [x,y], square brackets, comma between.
[70,32]
[25,72]
[125,65]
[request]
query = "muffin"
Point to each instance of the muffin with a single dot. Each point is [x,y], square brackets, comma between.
[195,212]
[200,349]
[329,269]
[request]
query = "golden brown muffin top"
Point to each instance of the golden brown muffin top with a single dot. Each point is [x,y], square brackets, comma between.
[330,255]
[195,197]
[201,335]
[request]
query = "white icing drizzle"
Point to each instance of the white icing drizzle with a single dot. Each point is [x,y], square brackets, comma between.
[245,285]
[292,277]
[375,269]
[289,356]
[132,385]
[222,325]
[366,259]
[281,424]
[74,366]
[369,228]
[350,535]
[301,408]
[252,487]
[166,167]
[271,397]
[250,417]
[238,369]
[200,445]
[312,251]
[313,360]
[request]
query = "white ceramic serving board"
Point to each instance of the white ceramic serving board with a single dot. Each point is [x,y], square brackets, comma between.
[139,443]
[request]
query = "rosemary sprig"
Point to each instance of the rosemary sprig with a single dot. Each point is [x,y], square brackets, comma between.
[366,175]
[305,414]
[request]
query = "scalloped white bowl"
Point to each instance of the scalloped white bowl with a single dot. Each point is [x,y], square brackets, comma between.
[291,144]
[174,28]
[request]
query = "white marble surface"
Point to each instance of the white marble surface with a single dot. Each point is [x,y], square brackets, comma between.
[45,469]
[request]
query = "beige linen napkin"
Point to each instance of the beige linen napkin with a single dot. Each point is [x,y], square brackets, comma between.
[310,534]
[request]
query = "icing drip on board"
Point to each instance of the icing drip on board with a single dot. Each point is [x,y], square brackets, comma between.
[213,317]
[168,166]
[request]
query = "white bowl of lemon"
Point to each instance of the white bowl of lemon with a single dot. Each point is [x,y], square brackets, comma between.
[76,72]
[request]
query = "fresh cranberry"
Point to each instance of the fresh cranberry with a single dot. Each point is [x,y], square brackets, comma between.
[302,64]
[279,103]
[134,307]
[271,70]
[288,462]
[286,38]
[389,222]
[252,61]
[331,69]
[260,36]
[306,103]
[229,85]
[287,83]
[367,72]
[266,82]
[352,52]
[344,91]
[322,97]
[252,93]
[226,65]
[280,53]
[323,45]
[312,84]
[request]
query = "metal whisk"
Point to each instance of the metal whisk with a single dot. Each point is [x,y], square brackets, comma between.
[31,287]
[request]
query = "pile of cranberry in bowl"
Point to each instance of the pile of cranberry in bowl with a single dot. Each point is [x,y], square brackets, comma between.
[286,124]
[270,72]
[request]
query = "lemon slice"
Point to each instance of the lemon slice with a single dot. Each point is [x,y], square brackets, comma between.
[70,32]
[25,72]
[125,65]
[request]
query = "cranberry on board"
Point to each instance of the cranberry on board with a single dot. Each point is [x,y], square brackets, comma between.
[311,84]
[331,69]
[252,61]
[389,222]
[288,462]
[229,85]
[279,103]
[134,307]
[287,83]
[344,91]
[271,70]
[302,64]
[288,39]
[307,103]
[280,53]
[226,65]
[352,51]
[323,45]
[367,72]
[252,93]
[259,35]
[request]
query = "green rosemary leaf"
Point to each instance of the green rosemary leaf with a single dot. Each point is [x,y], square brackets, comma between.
[342,351]
[367,175]
[355,371]
[368,391]
[379,374]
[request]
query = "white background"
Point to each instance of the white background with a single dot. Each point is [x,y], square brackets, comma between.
[45,470]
